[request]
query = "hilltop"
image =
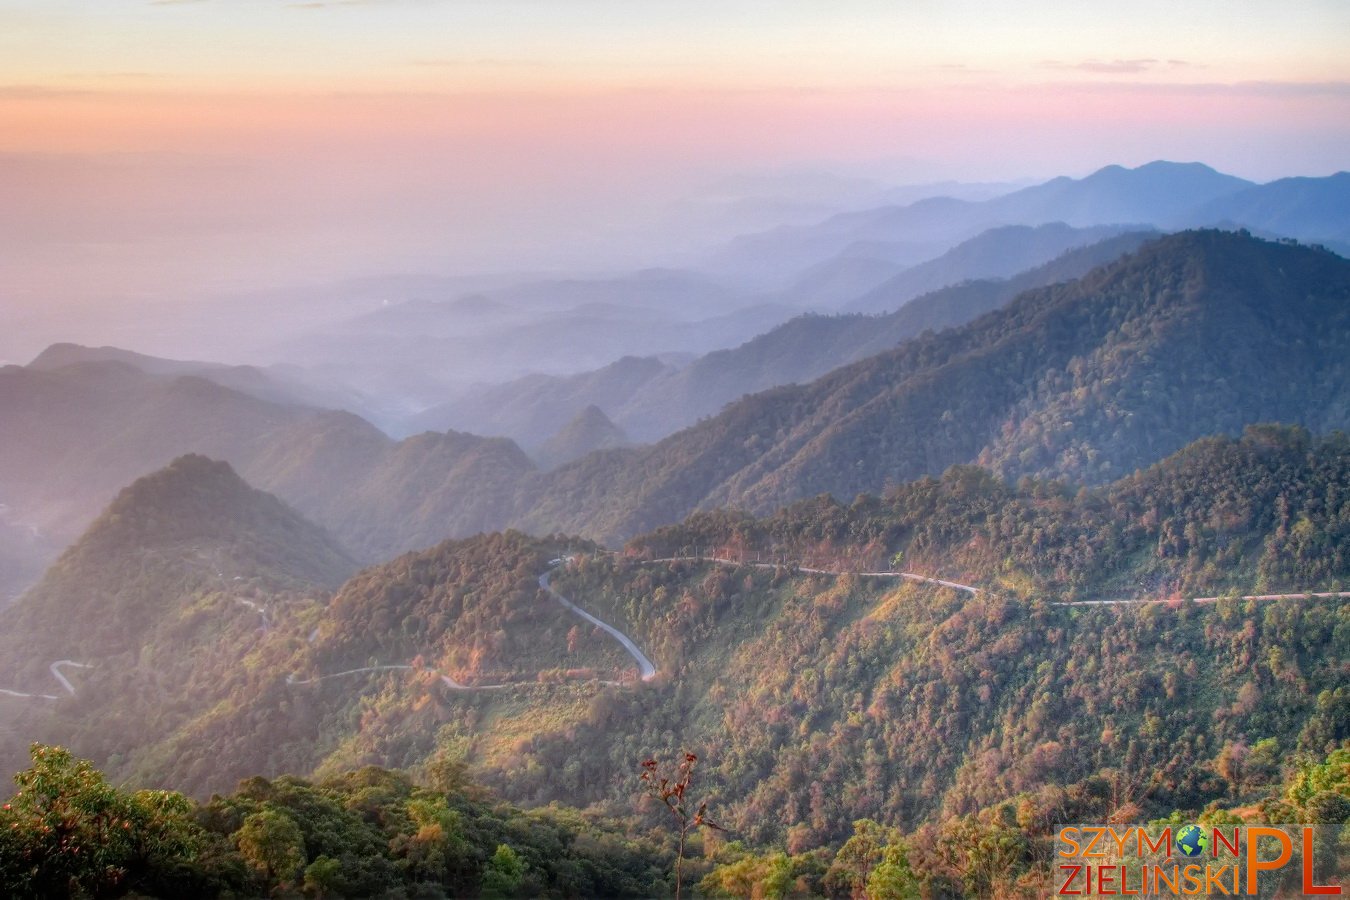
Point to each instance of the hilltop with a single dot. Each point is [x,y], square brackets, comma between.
[163,596]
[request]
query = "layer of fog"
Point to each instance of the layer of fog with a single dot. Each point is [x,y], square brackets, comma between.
[216,258]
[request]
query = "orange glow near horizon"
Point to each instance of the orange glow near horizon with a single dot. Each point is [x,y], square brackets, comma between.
[174,148]
[694,128]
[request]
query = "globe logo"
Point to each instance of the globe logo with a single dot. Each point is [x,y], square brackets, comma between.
[1192,841]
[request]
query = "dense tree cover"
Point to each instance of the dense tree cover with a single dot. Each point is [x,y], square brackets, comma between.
[366,833]
[1007,849]
[373,832]
[205,611]
[819,701]
[815,702]
[1263,513]
[471,606]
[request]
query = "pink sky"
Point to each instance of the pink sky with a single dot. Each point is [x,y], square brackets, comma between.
[163,148]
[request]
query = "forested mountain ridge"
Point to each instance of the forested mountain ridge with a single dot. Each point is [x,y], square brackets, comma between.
[187,572]
[1196,333]
[909,703]
[814,701]
[191,524]
[1221,515]
[1162,194]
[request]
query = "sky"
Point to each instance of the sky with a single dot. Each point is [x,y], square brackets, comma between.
[161,148]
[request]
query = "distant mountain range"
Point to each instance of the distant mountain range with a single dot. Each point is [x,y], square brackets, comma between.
[287,385]
[1161,194]
[546,326]
[1087,380]
[1310,209]
[438,343]
[1000,252]
[651,399]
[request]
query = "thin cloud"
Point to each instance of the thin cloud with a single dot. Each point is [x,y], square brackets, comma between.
[1116,66]
[114,76]
[329,4]
[482,62]
[38,91]
[1275,89]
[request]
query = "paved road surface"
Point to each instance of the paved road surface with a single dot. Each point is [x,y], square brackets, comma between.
[55,668]
[908,576]
[646,670]
[1306,595]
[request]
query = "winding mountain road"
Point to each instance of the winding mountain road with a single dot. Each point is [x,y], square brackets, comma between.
[445,679]
[55,668]
[291,679]
[1304,595]
[907,576]
[646,669]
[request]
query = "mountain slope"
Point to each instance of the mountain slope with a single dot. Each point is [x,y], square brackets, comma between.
[780,678]
[276,384]
[996,253]
[1197,333]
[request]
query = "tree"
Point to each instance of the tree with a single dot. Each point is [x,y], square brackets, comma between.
[853,865]
[67,832]
[504,873]
[893,878]
[323,877]
[671,791]
[271,842]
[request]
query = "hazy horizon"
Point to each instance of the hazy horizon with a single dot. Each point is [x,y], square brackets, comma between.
[161,153]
